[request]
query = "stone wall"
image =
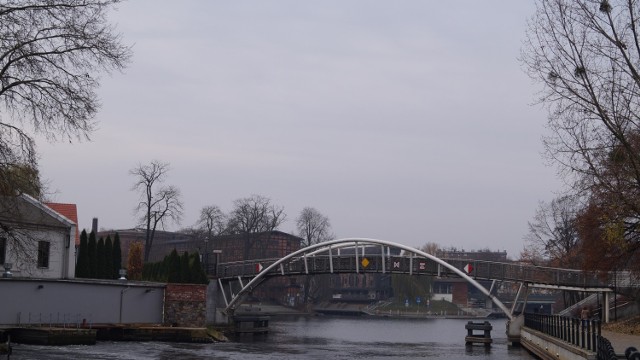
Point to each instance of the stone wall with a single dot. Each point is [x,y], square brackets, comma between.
[185,305]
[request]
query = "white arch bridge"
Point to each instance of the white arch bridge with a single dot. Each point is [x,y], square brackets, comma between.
[332,257]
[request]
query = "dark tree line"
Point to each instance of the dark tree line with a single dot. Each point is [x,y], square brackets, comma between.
[185,269]
[100,259]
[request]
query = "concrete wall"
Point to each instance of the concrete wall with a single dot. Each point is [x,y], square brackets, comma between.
[45,301]
[549,348]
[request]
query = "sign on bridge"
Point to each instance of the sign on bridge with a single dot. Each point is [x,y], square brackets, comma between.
[468,268]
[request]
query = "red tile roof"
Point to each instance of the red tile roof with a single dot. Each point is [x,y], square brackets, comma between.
[69,211]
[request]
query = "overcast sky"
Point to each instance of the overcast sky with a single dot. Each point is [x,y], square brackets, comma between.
[408,121]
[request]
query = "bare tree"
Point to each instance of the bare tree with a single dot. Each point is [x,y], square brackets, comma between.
[313,227]
[586,54]
[50,55]
[212,221]
[553,232]
[157,206]
[431,248]
[251,216]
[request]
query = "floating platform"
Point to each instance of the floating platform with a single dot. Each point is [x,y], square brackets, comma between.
[484,338]
[250,324]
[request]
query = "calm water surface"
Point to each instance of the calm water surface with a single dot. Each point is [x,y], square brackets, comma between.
[310,338]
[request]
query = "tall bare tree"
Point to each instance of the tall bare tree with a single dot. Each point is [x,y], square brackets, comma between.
[313,227]
[212,222]
[158,205]
[586,55]
[251,216]
[51,55]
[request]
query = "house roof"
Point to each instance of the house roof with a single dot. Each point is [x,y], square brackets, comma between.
[23,210]
[69,211]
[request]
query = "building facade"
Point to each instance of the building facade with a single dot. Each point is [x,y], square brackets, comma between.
[35,240]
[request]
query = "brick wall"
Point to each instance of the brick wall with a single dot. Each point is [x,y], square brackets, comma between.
[459,291]
[185,305]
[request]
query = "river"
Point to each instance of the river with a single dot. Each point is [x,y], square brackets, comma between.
[320,338]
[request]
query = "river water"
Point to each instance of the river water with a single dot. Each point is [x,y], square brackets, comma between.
[319,338]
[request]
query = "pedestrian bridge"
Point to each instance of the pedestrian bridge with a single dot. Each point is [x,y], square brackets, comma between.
[363,255]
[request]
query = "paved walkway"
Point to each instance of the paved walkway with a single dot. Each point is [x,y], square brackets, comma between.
[621,342]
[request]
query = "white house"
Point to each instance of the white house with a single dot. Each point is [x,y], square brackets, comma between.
[35,240]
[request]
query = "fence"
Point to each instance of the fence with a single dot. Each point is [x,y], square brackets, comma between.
[577,332]
[585,334]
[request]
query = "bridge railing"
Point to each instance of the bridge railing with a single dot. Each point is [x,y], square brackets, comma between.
[418,265]
[534,274]
[585,334]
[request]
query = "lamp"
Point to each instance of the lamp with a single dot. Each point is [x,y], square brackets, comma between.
[123,274]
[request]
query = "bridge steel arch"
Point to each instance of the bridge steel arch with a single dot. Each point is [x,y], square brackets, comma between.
[328,246]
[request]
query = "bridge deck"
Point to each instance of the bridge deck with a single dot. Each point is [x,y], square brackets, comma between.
[414,265]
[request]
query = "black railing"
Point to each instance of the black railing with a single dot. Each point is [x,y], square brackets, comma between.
[605,350]
[581,333]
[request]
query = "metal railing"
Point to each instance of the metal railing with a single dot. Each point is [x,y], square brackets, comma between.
[418,265]
[585,334]
[605,349]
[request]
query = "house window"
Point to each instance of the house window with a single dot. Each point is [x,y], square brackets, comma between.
[3,249]
[43,254]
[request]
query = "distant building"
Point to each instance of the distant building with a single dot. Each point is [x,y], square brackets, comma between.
[264,245]
[163,242]
[35,240]
[484,255]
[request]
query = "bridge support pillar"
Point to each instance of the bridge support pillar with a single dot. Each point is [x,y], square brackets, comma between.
[514,327]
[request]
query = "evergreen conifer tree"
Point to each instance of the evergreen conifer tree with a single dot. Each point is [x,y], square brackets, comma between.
[100,259]
[173,268]
[117,256]
[198,275]
[185,272]
[91,252]
[108,261]
[82,264]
